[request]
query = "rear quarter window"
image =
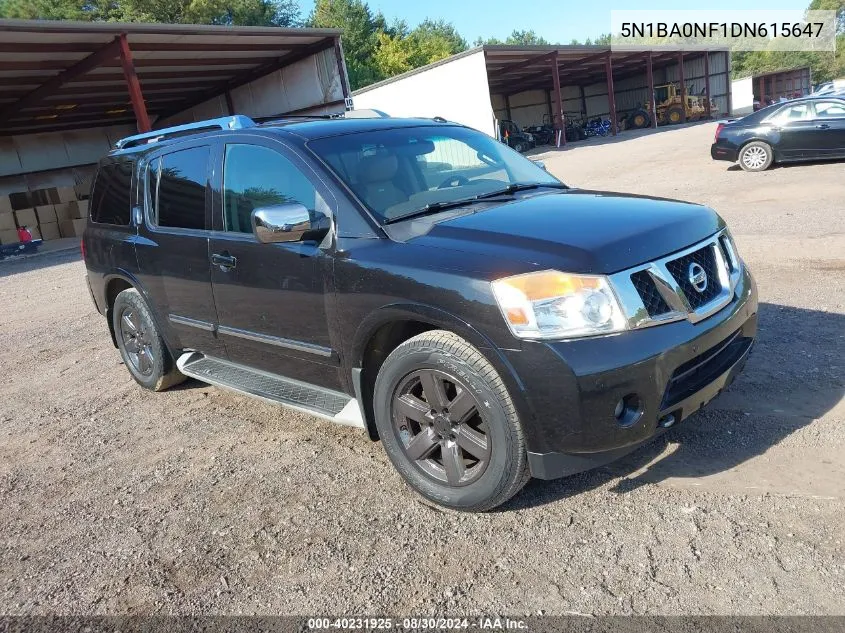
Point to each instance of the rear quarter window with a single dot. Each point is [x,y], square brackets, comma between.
[111,196]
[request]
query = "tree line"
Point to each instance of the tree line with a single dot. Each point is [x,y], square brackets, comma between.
[374,48]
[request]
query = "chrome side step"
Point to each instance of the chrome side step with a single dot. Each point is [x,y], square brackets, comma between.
[324,403]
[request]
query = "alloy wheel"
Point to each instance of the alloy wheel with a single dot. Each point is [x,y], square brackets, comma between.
[137,341]
[754,157]
[440,428]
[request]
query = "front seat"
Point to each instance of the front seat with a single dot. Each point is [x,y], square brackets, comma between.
[376,182]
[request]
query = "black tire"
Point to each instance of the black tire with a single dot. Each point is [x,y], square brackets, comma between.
[674,115]
[493,416]
[519,147]
[756,156]
[143,350]
[639,120]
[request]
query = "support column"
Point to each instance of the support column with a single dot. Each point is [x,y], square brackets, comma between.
[761,82]
[341,69]
[611,97]
[728,84]
[134,86]
[707,112]
[683,87]
[557,117]
[230,106]
[583,101]
[508,106]
[651,102]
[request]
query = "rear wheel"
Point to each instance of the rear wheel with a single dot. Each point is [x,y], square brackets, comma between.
[448,424]
[639,119]
[756,156]
[519,147]
[141,346]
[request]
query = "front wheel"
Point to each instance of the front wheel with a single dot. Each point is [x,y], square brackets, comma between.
[756,156]
[141,346]
[448,424]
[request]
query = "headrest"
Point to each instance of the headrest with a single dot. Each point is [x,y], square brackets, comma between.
[379,168]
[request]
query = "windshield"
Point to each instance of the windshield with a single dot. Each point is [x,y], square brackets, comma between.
[396,172]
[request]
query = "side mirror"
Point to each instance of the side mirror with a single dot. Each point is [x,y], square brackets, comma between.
[281,223]
[540,164]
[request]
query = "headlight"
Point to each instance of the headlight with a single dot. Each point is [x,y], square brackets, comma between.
[552,304]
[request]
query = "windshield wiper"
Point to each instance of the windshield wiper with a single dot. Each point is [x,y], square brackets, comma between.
[434,207]
[521,186]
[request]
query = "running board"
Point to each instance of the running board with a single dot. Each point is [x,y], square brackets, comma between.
[324,403]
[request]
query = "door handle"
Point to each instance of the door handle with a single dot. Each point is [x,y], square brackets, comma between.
[822,126]
[224,260]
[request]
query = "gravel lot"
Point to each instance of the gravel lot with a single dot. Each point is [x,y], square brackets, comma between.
[116,500]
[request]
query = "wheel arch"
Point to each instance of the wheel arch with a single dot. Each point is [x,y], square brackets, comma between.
[757,139]
[113,285]
[387,328]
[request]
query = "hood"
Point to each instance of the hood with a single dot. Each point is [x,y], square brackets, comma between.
[574,230]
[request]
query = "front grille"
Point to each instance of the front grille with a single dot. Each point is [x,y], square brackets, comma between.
[679,269]
[653,301]
[698,372]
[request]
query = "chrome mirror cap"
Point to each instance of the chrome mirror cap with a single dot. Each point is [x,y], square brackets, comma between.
[280,223]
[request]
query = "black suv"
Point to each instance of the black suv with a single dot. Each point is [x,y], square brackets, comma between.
[420,280]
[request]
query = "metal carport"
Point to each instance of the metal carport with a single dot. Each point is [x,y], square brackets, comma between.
[69,90]
[551,80]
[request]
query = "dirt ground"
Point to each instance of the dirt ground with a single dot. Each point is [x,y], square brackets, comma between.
[117,500]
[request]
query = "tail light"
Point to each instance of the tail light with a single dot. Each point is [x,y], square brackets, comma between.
[718,131]
[82,248]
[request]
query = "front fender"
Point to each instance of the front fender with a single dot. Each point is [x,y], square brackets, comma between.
[442,319]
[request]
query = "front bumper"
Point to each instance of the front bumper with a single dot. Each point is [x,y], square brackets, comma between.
[721,152]
[671,370]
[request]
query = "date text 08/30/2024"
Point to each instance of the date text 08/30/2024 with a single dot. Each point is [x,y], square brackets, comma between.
[417,624]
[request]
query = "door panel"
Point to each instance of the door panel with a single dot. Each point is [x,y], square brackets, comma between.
[270,298]
[173,246]
[830,127]
[794,127]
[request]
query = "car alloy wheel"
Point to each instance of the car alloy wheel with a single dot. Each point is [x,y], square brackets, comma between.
[436,419]
[754,157]
[137,341]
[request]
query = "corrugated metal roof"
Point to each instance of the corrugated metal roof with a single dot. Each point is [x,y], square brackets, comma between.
[513,69]
[177,65]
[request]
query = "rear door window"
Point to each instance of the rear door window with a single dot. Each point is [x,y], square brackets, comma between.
[178,186]
[797,112]
[111,197]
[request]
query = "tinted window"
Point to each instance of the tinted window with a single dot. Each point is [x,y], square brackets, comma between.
[830,109]
[254,177]
[110,199]
[177,188]
[795,112]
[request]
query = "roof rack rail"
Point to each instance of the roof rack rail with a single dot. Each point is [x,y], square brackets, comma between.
[237,122]
[281,118]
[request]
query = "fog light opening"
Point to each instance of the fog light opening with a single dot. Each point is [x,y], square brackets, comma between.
[628,410]
[667,421]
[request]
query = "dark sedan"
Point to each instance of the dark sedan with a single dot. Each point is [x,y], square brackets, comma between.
[811,128]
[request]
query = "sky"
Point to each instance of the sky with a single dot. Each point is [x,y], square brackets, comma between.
[555,20]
